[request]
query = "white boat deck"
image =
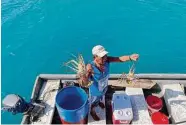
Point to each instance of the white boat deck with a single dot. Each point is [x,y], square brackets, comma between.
[174,97]
[47,94]
[183,123]
[175,100]
[101,113]
[139,106]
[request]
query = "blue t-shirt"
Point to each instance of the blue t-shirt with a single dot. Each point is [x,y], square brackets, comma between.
[100,80]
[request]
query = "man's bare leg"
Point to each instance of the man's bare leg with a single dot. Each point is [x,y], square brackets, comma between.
[101,105]
[93,113]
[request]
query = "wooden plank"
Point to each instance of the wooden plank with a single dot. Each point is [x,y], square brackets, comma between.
[139,106]
[140,83]
[48,94]
[101,113]
[175,100]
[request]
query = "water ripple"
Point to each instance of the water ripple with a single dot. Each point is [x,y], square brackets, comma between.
[11,10]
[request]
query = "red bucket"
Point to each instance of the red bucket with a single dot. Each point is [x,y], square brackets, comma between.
[154,103]
[159,118]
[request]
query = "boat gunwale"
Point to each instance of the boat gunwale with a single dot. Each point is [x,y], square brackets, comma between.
[43,77]
[151,76]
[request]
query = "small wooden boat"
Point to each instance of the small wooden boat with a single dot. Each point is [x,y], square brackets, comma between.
[169,87]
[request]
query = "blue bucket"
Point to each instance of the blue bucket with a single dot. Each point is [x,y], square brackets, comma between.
[72,105]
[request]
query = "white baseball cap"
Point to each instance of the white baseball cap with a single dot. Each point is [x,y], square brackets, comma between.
[99,51]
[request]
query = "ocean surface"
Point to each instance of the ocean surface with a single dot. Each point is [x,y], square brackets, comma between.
[38,36]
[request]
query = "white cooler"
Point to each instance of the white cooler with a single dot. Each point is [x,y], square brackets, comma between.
[121,108]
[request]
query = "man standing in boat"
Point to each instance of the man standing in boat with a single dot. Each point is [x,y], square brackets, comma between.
[98,73]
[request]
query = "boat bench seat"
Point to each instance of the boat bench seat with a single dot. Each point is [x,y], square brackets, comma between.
[101,113]
[139,106]
[175,100]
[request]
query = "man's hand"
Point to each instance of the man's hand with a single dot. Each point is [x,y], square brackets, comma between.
[84,78]
[134,57]
[89,69]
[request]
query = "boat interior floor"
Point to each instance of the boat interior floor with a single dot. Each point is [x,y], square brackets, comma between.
[108,98]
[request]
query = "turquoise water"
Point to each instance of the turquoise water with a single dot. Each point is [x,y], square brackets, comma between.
[38,35]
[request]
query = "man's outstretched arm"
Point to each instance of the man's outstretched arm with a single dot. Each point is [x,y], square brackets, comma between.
[133,57]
